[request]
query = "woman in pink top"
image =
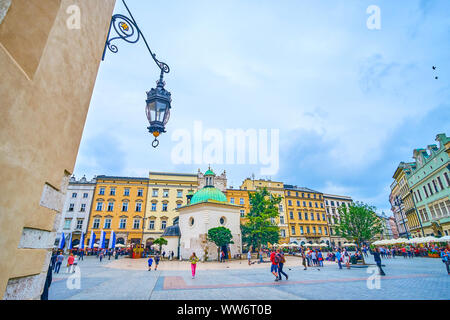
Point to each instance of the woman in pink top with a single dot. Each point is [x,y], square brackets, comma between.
[70,262]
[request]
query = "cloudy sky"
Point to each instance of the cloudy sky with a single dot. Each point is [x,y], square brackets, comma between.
[349,102]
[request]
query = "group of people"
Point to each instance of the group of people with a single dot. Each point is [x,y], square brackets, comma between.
[57,259]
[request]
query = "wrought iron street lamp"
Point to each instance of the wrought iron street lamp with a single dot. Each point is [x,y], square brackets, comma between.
[158,99]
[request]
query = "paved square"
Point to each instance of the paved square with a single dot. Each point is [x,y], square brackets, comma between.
[128,279]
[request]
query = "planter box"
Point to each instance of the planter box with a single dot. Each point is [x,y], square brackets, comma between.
[434,255]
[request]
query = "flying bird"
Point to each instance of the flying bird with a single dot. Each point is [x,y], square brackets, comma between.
[434,68]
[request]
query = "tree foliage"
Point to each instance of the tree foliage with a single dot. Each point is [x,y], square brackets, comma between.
[221,236]
[259,229]
[358,223]
[161,242]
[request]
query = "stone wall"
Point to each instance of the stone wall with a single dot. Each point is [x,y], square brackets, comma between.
[50,62]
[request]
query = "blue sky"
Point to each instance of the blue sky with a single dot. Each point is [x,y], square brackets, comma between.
[350,103]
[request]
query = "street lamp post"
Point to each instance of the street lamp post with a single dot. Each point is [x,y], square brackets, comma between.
[158,102]
[398,203]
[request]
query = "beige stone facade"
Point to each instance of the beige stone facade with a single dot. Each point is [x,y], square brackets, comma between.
[49,68]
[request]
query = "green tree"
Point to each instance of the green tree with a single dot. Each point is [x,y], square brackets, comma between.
[221,236]
[259,229]
[358,223]
[161,242]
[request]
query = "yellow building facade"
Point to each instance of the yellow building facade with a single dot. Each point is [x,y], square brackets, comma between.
[119,205]
[306,215]
[276,188]
[239,197]
[166,193]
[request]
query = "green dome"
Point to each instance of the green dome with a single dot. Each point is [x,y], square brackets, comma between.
[208,194]
[209,173]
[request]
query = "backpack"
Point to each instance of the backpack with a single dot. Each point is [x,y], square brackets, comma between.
[277,258]
[283,260]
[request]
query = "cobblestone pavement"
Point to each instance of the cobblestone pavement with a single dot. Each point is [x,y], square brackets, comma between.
[406,279]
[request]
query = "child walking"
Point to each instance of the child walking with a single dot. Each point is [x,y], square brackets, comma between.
[150,261]
[193,259]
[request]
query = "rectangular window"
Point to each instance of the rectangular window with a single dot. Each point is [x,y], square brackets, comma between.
[326,231]
[102,191]
[316,205]
[138,206]
[79,224]
[126,192]
[112,192]
[110,206]
[312,216]
[319,229]
[242,213]
[426,192]
[444,209]
[299,215]
[318,216]
[85,195]
[123,223]
[179,193]
[136,223]
[292,229]
[107,224]
[163,224]
[232,200]
[314,196]
[153,206]
[435,187]
[83,207]
[310,204]
[298,203]
[301,229]
[281,219]
[283,233]
[321,204]
[314,230]
[326,202]
[71,206]
[96,224]
[151,225]
[429,188]
[323,216]
[124,206]
[440,183]
[74,195]
[140,192]
[304,203]
[99,206]
[281,207]
[307,230]
[241,200]
[306,215]
[67,223]
[332,203]
[165,193]
[420,195]
[291,215]
[447,179]
[164,207]
[289,193]
[155,192]
[289,202]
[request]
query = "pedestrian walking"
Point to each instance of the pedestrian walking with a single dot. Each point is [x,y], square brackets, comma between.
[81,255]
[249,257]
[164,254]
[281,262]
[222,256]
[117,255]
[70,261]
[53,260]
[314,257]
[150,261]
[109,254]
[339,258]
[346,258]
[377,258]
[75,263]
[193,260]
[320,258]
[304,260]
[48,282]
[59,260]
[100,255]
[172,254]
[274,266]
[445,256]
[157,258]
[261,257]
